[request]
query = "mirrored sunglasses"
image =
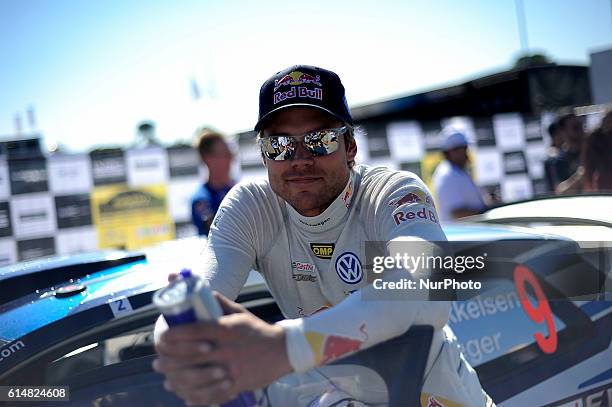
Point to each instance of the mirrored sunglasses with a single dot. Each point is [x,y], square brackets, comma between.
[319,143]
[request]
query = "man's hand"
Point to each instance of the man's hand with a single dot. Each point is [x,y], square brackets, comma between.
[211,362]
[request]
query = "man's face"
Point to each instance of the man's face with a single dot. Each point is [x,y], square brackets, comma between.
[573,131]
[306,182]
[458,156]
[219,160]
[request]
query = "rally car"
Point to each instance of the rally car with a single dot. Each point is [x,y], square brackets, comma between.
[85,322]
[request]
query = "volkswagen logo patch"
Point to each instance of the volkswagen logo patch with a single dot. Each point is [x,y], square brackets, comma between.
[348,268]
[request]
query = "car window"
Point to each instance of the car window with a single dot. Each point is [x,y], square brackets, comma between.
[98,354]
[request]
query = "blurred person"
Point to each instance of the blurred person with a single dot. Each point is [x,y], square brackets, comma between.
[217,156]
[606,122]
[456,194]
[315,196]
[567,165]
[556,141]
[597,158]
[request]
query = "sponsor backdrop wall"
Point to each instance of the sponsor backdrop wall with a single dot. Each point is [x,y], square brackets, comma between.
[64,204]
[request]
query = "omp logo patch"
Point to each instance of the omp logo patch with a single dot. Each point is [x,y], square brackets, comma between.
[323,250]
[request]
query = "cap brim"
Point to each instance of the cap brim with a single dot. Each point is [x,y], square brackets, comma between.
[267,115]
[456,146]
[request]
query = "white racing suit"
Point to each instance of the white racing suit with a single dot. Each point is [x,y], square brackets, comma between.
[314,264]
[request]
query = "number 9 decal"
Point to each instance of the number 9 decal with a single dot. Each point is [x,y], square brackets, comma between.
[523,276]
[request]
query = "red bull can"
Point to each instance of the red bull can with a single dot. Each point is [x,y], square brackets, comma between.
[189,299]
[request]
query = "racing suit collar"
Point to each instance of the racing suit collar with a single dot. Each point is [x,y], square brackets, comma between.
[331,217]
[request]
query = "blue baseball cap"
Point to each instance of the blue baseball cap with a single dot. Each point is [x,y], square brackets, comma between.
[303,85]
[453,138]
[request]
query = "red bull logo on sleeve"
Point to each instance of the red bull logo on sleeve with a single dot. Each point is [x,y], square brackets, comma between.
[337,346]
[297,78]
[429,200]
[428,400]
[347,196]
[411,197]
[400,217]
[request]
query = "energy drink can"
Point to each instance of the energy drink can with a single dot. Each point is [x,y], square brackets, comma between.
[187,299]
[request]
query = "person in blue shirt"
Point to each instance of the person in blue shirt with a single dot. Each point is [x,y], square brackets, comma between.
[457,195]
[217,156]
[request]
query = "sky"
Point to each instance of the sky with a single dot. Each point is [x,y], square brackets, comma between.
[93,70]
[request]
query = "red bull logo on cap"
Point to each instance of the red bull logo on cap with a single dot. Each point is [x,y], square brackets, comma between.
[297,78]
[300,91]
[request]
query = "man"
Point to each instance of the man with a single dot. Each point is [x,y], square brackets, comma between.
[456,194]
[597,158]
[556,141]
[303,229]
[568,173]
[217,157]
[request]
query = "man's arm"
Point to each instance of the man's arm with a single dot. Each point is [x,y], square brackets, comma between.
[210,362]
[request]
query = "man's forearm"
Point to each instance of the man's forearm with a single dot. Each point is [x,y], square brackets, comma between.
[354,325]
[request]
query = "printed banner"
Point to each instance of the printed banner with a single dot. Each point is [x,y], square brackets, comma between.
[509,131]
[179,197]
[35,248]
[131,218]
[5,185]
[6,228]
[147,166]
[28,175]
[406,141]
[489,166]
[108,167]
[33,215]
[183,161]
[8,252]
[70,174]
[73,210]
[76,240]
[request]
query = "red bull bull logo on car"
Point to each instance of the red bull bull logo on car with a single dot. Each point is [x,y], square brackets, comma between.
[297,78]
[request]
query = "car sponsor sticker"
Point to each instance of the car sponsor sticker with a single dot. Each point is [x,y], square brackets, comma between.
[348,268]
[322,250]
[120,306]
[10,349]
[598,397]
